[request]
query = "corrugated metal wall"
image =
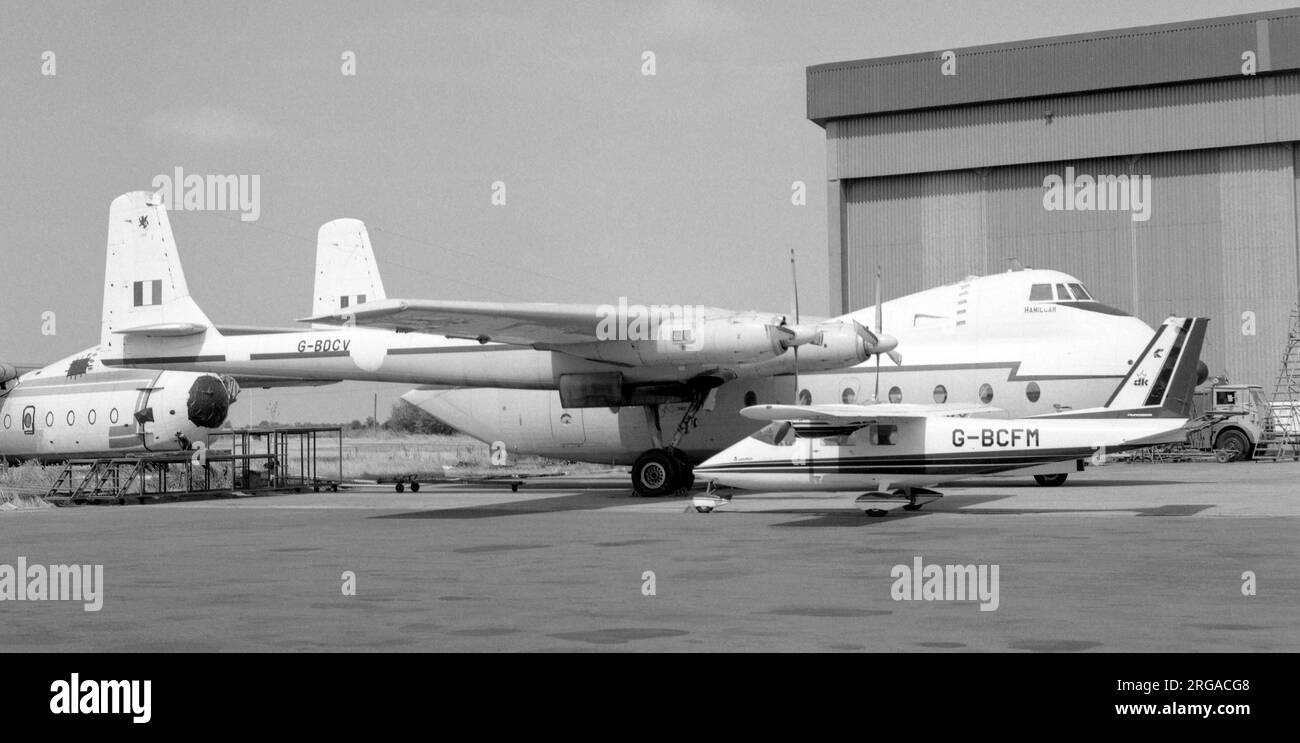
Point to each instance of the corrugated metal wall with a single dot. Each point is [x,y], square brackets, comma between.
[1226,113]
[1220,241]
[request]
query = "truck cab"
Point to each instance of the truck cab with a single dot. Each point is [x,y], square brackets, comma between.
[1233,417]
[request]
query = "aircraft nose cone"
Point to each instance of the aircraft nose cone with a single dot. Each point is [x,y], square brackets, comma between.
[208,402]
[887,343]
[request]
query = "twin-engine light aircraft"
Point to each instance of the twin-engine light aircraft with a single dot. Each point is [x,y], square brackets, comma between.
[897,452]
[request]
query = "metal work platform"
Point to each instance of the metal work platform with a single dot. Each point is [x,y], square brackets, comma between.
[242,461]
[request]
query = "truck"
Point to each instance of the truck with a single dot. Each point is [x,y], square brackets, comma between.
[1233,419]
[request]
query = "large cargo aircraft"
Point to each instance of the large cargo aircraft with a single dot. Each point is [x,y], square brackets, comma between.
[78,407]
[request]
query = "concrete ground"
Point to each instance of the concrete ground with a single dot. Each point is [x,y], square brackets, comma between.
[1127,557]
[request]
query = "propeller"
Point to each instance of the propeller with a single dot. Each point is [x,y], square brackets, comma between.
[884,343]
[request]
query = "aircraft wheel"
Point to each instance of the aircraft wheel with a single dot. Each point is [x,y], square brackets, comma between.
[912,507]
[1051,481]
[1236,444]
[876,512]
[399,487]
[704,509]
[415,487]
[655,473]
[514,487]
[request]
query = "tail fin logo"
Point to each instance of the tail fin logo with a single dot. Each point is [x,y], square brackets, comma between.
[1141,380]
[147,293]
[144,221]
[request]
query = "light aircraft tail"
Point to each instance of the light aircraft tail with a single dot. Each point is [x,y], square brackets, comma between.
[346,272]
[144,286]
[1161,382]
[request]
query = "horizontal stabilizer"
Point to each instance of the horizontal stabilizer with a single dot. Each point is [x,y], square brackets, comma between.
[165,330]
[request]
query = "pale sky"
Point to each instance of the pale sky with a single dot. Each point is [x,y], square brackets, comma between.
[671,189]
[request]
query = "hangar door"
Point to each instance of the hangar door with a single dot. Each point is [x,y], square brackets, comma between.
[1219,239]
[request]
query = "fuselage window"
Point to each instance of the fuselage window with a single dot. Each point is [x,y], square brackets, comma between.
[1081,293]
[49,419]
[805,397]
[91,417]
[72,417]
[1063,294]
[1040,293]
[849,396]
[7,422]
[986,394]
[940,393]
[1033,392]
[112,416]
[895,394]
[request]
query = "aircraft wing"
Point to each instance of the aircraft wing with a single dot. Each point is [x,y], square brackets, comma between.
[863,414]
[249,381]
[517,323]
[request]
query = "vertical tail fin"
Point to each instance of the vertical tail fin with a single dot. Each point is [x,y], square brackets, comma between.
[144,286]
[1161,382]
[346,271]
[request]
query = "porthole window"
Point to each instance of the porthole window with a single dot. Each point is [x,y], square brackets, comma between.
[49,419]
[940,393]
[848,397]
[986,393]
[91,417]
[895,394]
[7,422]
[1032,392]
[72,417]
[112,416]
[750,398]
[805,397]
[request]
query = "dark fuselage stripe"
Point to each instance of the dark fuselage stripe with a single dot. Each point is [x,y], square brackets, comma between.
[163,360]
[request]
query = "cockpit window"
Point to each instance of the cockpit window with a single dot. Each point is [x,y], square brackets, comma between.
[1040,293]
[1080,293]
[776,433]
[1063,294]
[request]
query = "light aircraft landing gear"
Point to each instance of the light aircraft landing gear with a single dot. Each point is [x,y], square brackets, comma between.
[1051,481]
[909,499]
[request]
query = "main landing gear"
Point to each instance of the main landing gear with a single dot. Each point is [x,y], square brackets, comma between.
[664,470]
[880,502]
[1051,481]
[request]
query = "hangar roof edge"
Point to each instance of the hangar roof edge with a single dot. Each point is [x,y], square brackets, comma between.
[1167,53]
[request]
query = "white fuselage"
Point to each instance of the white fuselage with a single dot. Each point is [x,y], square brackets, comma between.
[927,451]
[1035,357]
[77,408]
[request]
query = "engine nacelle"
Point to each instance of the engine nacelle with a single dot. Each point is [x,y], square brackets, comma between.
[720,341]
[841,346]
[8,372]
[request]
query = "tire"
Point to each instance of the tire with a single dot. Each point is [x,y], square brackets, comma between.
[1051,481]
[415,487]
[399,487]
[1236,442]
[656,473]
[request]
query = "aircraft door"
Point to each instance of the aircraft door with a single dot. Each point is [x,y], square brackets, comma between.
[567,426]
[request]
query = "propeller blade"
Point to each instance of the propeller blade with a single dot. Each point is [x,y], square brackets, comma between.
[895,357]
